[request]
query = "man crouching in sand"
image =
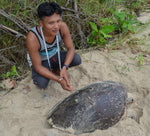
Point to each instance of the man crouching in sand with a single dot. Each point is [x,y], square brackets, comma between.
[43,43]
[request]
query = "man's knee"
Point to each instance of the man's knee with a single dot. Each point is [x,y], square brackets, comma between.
[76,60]
[42,83]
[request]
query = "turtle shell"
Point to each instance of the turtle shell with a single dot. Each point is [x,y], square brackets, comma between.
[96,106]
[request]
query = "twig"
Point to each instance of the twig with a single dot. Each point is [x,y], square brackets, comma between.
[7,61]
[83,42]
[9,48]
[114,2]
[64,8]
[7,92]
[70,15]
[12,31]
[71,10]
[1,66]
[67,3]
[15,20]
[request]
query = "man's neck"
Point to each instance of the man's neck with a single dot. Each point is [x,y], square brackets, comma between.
[47,34]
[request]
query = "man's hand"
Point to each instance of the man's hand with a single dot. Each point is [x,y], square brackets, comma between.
[64,85]
[65,82]
[63,74]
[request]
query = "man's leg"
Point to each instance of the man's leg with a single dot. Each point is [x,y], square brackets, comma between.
[39,80]
[76,60]
[55,64]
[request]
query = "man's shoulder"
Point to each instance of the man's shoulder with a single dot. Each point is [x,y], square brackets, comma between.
[31,33]
[63,24]
[32,41]
[64,28]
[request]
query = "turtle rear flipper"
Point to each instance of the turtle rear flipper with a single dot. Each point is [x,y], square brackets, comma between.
[131,114]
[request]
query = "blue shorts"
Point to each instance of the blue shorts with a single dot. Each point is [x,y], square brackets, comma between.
[41,81]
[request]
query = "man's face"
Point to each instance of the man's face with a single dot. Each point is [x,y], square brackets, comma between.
[51,24]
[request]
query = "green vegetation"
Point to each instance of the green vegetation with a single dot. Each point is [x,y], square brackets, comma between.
[124,22]
[10,74]
[121,22]
[140,60]
[99,36]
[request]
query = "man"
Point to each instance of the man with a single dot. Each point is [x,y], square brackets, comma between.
[43,46]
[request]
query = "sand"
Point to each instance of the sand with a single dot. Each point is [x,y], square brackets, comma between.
[23,110]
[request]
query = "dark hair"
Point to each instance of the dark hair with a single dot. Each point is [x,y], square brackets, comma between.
[48,9]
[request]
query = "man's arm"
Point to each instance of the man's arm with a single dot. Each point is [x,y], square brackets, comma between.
[70,52]
[68,43]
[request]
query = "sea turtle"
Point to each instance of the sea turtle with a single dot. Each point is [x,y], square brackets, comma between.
[96,106]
